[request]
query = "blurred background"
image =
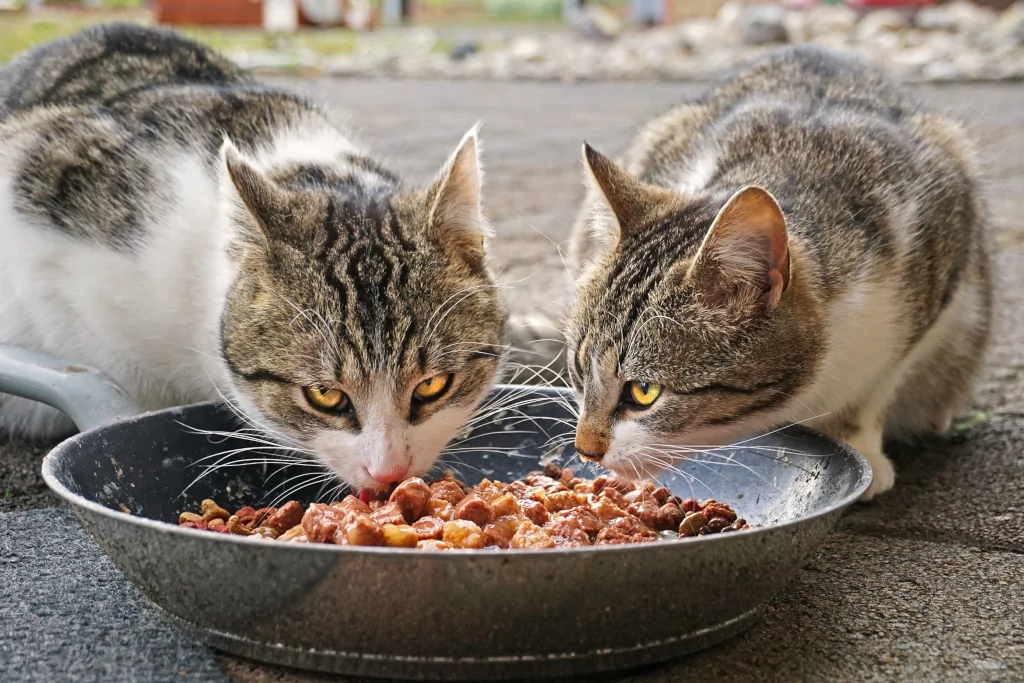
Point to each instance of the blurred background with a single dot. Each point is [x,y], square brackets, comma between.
[687,40]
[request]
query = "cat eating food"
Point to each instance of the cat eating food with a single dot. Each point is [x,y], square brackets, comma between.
[195,234]
[805,243]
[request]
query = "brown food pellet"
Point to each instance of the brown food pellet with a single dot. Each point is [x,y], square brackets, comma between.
[236,527]
[692,523]
[189,517]
[549,509]
[212,511]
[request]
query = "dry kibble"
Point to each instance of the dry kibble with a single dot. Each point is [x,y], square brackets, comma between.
[692,524]
[544,510]
[236,527]
[212,511]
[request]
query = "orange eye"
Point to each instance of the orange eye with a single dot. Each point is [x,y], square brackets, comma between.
[326,399]
[432,388]
[643,394]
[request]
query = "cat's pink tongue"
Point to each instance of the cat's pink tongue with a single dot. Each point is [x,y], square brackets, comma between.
[366,495]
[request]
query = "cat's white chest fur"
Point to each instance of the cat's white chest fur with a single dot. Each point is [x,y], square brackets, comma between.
[147,315]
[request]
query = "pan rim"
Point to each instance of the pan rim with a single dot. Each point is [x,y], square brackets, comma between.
[79,501]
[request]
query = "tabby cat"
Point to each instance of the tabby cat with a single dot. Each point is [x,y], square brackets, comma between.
[194,233]
[805,242]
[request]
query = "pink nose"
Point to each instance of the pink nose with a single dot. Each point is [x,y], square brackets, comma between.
[389,476]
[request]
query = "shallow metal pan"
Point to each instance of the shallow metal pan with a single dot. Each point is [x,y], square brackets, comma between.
[420,615]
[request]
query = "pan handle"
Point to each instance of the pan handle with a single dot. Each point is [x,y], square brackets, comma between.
[86,395]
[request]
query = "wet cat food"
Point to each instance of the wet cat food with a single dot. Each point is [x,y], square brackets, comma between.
[549,509]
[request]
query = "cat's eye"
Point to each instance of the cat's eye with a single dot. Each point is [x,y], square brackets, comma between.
[326,399]
[642,394]
[432,388]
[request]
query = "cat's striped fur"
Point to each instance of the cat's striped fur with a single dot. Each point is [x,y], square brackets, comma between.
[864,306]
[191,232]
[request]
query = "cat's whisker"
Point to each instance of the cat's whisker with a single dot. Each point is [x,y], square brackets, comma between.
[725,461]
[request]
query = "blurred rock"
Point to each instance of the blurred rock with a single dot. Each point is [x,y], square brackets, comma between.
[763,25]
[463,49]
[955,17]
[881,21]
[597,23]
[527,49]
[1011,23]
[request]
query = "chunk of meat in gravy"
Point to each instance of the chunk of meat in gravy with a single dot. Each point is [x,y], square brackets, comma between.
[474,509]
[588,521]
[561,500]
[606,510]
[411,497]
[505,505]
[361,530]
[352,504]
[462,533]
[286,516]
[321,522]
[529,535]
[429,527]
[535,512]
[447,490]
[567,531]
[431,544]
[441,509]
[499,533]
[390,513]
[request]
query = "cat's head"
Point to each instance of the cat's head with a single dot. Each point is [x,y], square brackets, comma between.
[363,325]
[696,325]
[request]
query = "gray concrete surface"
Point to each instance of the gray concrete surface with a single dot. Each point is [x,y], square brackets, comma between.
[927,583]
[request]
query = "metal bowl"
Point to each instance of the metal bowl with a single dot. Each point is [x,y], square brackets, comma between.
[431,615]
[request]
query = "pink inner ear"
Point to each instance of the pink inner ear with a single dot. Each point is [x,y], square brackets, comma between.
[748,246]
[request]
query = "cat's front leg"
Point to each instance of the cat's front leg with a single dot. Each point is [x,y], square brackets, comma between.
[867,441]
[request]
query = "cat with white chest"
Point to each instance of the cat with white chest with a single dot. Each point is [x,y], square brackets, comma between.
[805,243]
[195,234]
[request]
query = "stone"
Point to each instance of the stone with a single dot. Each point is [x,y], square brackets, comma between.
[1011,23]
[829,20]
[463,49]
[763,25]
[597,23]
[696,35]
[955,17]
[881,21]
[527,49]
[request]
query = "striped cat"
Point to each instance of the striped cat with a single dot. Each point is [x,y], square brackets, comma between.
[193,233]
[804,243]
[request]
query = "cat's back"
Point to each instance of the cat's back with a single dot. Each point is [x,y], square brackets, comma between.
[105,64]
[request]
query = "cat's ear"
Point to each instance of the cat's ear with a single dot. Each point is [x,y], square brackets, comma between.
[745,251]
[625,202]
[454,201]
[259,205]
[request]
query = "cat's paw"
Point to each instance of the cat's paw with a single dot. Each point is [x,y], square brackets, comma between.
[883,475]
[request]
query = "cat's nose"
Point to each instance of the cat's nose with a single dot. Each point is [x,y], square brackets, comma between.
[390,474]
[590,446]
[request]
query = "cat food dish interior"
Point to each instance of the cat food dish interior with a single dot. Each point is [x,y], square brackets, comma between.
[549,509]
